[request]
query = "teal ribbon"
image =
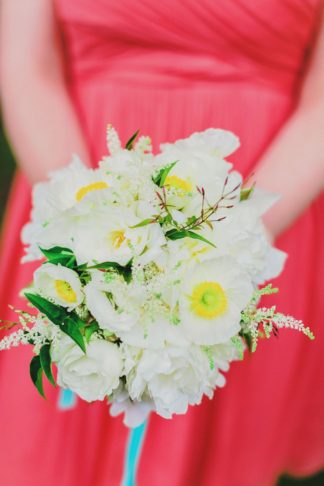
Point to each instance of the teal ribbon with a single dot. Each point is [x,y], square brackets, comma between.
[133,452]
[67,399]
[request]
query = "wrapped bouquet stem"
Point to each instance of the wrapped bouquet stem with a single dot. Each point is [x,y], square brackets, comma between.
[149,279]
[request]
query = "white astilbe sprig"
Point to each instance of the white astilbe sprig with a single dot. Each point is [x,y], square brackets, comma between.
[144,145]
[34,330]
[113,141]
[152,282]
[289,322]
[265,321]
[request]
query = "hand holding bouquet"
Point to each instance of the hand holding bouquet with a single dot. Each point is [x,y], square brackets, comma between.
[150,284]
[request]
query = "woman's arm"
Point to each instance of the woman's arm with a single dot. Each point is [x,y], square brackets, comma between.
[294,163]
[38,114]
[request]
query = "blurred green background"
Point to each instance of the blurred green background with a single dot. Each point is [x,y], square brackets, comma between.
[7,167]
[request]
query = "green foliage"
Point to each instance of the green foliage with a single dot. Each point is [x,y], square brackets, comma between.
[130,143]
[161,176]
[145,222]
[89,330]
[36,374]
[238,343]
[246,192]
[55,313]
[68,322]
[124,271]
[209,353]
[175,234]
[60,256]
[69,327]
[266,321]
[46,362]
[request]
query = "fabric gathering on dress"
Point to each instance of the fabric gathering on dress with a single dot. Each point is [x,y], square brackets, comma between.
[170,68]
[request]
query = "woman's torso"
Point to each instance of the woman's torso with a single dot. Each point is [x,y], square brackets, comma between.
[175,66]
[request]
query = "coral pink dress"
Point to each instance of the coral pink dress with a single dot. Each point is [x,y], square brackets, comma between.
[172,67]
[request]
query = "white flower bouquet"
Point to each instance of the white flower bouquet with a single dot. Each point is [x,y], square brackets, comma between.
[150,284]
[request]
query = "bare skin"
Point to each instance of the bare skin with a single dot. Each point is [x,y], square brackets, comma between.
[293,165]
[40,119]
[44,130]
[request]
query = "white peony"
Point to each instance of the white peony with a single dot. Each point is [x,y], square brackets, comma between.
[153,334]
[93,375]
[242,235]
[60,284]
[213,141]
[212,295]
[135,412]
[174,378]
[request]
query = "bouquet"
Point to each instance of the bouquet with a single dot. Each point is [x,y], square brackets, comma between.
[149,285]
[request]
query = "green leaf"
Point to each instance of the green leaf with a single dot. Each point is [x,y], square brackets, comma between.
[60,256]
[84,266]
[246,193]
[70,328]
[179,234]
[130,143]
[89,330]
[175,234]
[36,374]
[54,312]
[125,271]
[107,266]
[46,362]
[161,176]
[145,222]
[191,220]
[68,322]
[197,236]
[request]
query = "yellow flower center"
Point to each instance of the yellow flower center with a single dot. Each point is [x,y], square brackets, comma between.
[208,300]
[178,183]
[95,186]
[117,238]
[65,291]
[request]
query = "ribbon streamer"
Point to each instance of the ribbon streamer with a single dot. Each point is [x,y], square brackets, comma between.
[133,452]
[67,399]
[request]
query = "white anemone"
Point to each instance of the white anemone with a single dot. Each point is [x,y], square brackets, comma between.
[60,284]
[212,295]
[111,236]
[174,378]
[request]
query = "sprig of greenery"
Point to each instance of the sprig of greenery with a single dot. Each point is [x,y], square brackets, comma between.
[58,255]
[266,321]
[130,143]
[160,178]
[68,322]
